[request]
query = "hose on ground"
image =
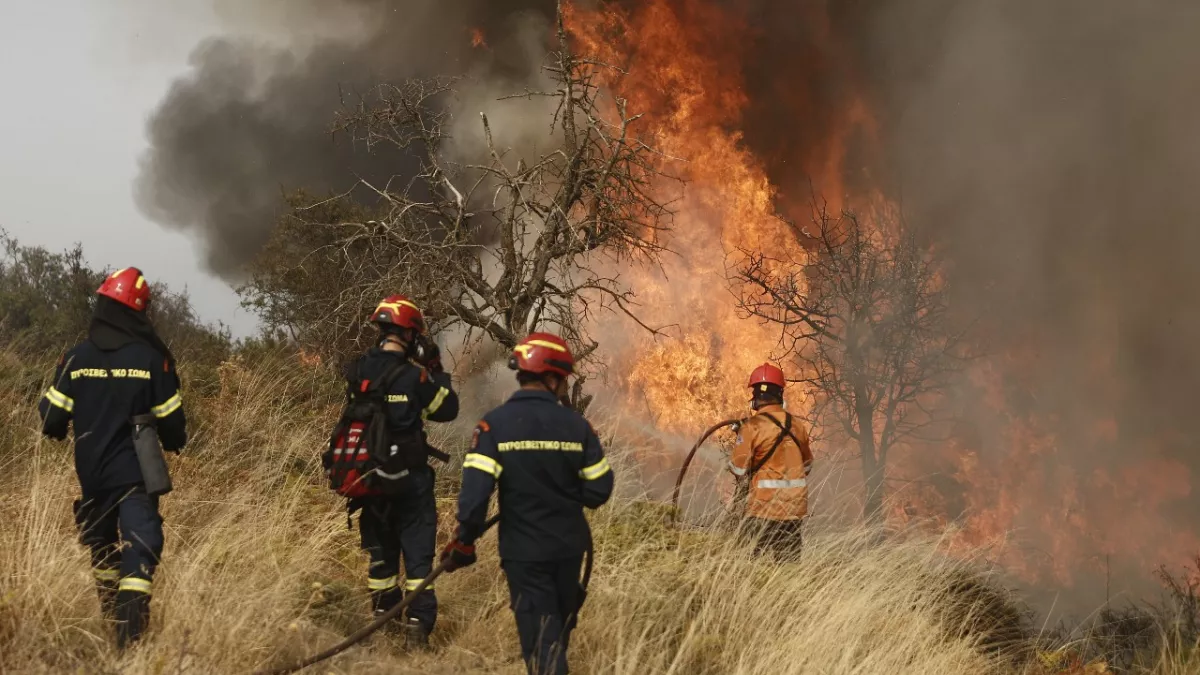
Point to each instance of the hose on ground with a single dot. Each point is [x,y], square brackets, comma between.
[362,633]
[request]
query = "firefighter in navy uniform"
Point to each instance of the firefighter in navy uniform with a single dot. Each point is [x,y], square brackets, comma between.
[548,464]
[404,524]
[122,370]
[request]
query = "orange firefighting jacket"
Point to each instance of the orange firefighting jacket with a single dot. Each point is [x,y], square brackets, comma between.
[778,490]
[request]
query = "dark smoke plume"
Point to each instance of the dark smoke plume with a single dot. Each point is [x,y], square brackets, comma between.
[252,117]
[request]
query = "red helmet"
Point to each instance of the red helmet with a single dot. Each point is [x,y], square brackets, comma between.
[767,374]
[399,311]
[543,353]
[128,287]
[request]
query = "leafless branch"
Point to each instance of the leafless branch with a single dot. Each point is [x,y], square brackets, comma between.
[504,244]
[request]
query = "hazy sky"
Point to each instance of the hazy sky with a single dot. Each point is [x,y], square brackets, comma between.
[80,78]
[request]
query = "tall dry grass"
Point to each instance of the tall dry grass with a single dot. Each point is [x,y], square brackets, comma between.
[260,568]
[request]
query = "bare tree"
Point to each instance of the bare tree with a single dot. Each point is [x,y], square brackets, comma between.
[511,243]
[867,316]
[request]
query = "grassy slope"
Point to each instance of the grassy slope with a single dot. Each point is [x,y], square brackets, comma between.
[260,568]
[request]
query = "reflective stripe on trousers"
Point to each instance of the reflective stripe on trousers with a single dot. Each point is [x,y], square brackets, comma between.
[135,584]
[410,585]
[382,584]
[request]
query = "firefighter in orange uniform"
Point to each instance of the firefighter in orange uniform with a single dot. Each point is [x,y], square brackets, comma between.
[773,458]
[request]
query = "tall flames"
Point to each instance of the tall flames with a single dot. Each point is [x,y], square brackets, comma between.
[1001,481]
[691,88]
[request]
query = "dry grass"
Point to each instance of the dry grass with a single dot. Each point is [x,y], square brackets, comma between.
[260,568]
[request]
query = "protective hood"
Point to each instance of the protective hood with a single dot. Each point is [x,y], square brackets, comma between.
[114,325]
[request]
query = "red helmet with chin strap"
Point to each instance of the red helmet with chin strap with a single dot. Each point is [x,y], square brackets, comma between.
[398,311]
[767,374]
[543,353]
[128,287]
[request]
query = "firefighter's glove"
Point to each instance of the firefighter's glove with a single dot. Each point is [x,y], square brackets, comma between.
[433,363]
[429,355]
[457,555]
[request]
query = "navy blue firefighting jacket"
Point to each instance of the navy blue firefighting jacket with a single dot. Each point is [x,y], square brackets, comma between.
[548,464]
[415,395]
[101,391]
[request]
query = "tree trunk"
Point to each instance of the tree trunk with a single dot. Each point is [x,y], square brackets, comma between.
[873,480]
[872,468]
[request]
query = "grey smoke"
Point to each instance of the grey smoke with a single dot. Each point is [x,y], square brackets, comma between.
[1053,148]
[251,119]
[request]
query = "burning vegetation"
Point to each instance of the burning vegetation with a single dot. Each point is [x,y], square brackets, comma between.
[1067,446]
[989,318]
[1038,453]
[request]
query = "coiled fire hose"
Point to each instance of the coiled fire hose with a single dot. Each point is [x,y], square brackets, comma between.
[362,633]
[688,460]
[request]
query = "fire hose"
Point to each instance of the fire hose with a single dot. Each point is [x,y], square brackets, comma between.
[362,633]
[783,431]
[688,460]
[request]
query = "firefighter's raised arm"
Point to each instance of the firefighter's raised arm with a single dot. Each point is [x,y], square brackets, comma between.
[436,396]
[743,451]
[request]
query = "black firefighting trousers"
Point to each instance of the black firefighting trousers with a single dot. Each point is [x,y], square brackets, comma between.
[402,526]
[123,530]
[544,597]
[783,537]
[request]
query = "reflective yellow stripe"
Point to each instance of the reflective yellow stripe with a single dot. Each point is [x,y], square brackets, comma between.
[140,282]
[60,399]
[383,584]
[167,407]
[596,470]
[411,585]
[106,575]
[543,343]
[484,463]
[437,401]
[134,584]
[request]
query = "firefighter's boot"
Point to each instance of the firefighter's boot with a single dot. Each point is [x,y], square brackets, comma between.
[107,580]
[133,617]
[108,600]
[415,635]
[382,601]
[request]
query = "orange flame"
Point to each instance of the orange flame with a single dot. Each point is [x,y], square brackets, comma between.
[477,38]
[1004,478]
[694,98]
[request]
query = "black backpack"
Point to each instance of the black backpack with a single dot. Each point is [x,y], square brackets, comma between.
[365,457]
